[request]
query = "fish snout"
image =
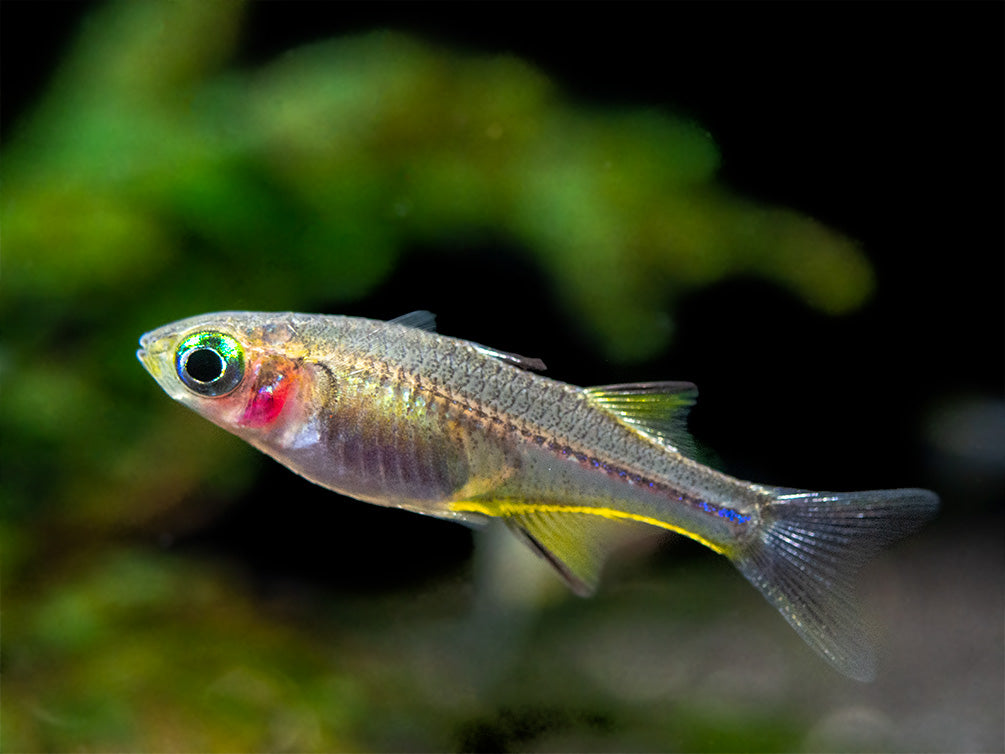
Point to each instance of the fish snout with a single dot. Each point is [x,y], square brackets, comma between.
[151,353]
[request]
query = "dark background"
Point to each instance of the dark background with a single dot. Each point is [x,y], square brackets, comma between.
[883,121]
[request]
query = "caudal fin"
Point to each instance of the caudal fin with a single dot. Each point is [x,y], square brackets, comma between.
[807,551]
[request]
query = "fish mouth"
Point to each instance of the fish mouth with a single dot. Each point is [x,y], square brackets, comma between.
[147,354]
[145,360]
[141,352]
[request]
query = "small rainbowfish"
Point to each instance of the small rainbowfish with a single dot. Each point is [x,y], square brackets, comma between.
[394,414]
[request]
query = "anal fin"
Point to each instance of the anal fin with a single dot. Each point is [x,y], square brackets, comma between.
[576,544]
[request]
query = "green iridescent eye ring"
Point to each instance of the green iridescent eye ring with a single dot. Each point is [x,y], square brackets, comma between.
[209,363]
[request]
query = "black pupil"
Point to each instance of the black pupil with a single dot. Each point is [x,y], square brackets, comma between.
[204,365]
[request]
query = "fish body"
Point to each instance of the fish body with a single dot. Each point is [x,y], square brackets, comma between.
[393,413]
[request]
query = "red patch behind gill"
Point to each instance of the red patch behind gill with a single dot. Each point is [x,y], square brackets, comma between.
[272,388]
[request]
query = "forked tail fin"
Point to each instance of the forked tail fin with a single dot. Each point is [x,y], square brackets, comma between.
[807,551]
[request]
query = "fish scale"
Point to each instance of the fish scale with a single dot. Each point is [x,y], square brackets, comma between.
[570,422]
[401,457]
[395,414]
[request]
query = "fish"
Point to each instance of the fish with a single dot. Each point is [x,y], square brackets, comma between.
[395,414]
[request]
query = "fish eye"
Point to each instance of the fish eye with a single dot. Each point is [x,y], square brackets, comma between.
[210,363]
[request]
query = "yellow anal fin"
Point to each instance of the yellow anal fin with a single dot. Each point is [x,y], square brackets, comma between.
[576,541]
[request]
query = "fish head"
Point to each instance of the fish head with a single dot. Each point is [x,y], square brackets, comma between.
[244,371]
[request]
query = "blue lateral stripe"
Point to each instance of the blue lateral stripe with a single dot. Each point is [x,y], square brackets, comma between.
[734,517]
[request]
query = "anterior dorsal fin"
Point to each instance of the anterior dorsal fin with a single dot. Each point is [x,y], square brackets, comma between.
[420,319]
[424,320]
[524,362]
[656,409]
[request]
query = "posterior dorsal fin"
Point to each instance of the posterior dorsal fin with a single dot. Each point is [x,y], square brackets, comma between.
[656,409]
[524,362]
[420,319]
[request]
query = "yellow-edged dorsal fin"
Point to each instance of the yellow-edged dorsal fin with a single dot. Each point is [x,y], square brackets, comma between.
[656,409]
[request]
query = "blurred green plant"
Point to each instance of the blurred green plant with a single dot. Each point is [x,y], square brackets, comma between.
[155,179]
[306,178]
